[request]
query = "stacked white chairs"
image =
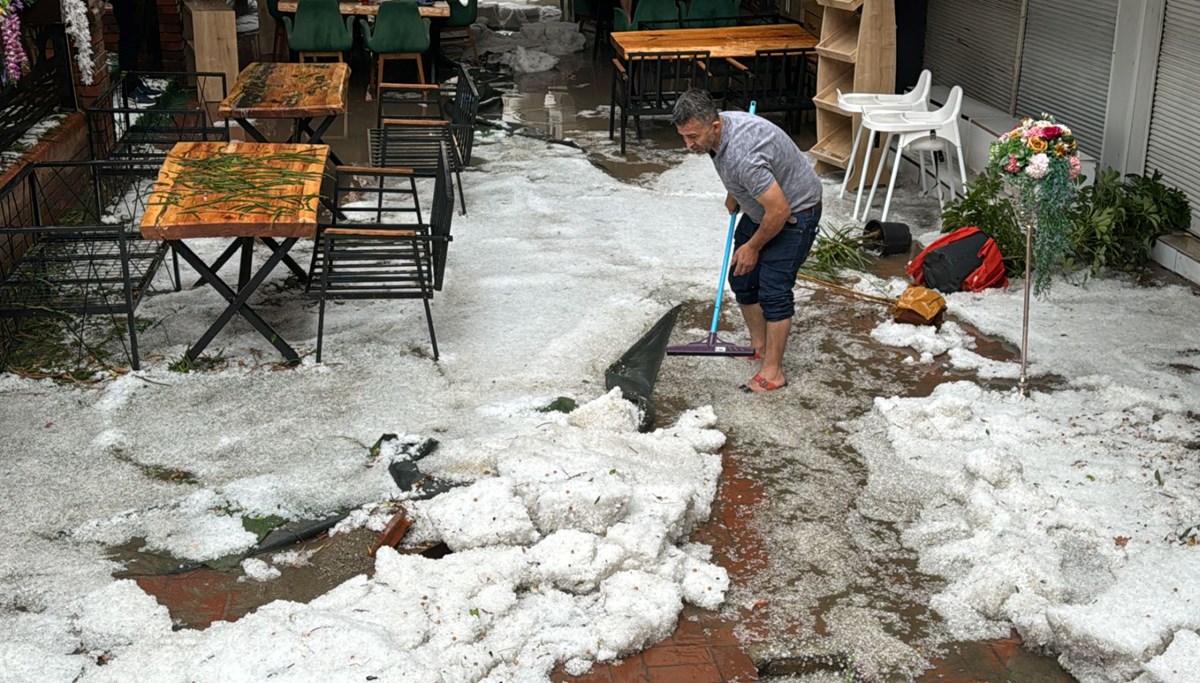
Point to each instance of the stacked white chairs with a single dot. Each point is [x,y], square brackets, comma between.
[916,131]
[916,99]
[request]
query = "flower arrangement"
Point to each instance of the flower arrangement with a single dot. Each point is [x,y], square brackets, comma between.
[75,16]
[15,59]
[1039,158]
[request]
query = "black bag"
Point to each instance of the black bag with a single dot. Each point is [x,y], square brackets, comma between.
[948,266]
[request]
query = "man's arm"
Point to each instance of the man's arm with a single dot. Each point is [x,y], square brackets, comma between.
[777,212]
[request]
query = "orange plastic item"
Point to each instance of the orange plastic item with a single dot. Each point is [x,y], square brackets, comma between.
[919,306]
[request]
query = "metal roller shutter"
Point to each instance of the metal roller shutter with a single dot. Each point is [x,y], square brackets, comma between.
[973,44]
[1066,63]
[1174,144]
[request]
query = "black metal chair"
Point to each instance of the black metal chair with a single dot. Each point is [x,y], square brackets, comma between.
[120,129]
[778,80]
[648,85]
[367,254]
[70,243]
[403,138]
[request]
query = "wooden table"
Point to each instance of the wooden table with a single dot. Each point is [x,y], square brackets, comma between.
[439,9]
[244,190]
[732,41]
[284,90]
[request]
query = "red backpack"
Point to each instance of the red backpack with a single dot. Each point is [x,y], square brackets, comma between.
[964,260]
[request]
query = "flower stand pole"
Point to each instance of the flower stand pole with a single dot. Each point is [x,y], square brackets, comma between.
[1039,160]
[1022,382]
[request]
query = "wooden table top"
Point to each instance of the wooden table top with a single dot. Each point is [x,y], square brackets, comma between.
[731,41]
[285,90]
[439,9]
[236,189]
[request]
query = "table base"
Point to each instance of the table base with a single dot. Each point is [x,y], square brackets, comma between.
[247,285]
[302,126]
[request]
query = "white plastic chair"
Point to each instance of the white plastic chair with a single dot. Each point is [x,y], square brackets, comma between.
[918,132]
[916,99]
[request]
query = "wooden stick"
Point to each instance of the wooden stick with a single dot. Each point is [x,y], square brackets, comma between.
[846,291]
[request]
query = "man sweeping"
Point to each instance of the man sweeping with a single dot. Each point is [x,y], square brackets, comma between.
[779,194]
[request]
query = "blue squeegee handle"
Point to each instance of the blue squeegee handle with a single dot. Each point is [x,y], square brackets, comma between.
[725,261]
[724,271]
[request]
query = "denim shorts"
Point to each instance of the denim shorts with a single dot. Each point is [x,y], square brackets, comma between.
[770,283]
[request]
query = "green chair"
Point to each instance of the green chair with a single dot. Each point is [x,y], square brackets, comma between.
[458,25]
[661,14]
[279,42]
[712,13]
[318,30]
[400,32]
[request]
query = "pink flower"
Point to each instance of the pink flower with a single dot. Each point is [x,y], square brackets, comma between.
[1075,168]
[1013,165]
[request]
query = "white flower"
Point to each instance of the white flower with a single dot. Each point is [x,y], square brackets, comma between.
[1039,166]
[75,17]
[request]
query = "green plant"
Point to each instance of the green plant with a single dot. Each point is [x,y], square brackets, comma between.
[1117,220]
[984,206]
[835,249]
[203,363]
[63,348]
[1114,221]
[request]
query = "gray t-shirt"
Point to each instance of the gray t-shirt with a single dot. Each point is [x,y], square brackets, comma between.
[752,154]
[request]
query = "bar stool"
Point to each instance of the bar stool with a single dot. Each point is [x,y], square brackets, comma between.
[919,132]
[317,30]
[916,99]
[400,33]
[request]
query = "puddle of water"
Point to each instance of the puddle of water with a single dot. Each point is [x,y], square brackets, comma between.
[552,112]
[996,661]
[195,598]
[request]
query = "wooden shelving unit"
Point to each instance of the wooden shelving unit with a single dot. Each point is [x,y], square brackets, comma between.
[857,53]
[842,47]
[838,76]
[210,43]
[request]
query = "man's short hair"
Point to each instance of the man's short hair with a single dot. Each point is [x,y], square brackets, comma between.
[694,104]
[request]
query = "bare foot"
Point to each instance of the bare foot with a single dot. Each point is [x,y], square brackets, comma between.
[761,385]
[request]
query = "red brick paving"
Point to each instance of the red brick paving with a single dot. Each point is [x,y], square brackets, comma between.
[703,648]
[204,594]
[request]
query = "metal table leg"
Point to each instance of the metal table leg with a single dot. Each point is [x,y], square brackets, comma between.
[314,136]
[251,130]
[273,245]
[238,300]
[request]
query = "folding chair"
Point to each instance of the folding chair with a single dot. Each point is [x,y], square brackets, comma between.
[412,140]
[366,254]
